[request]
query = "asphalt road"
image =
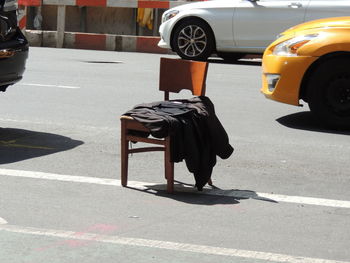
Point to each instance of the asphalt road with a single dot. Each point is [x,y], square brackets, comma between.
[283,196]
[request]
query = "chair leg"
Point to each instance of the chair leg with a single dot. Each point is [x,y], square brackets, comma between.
[169,167]
[124,154]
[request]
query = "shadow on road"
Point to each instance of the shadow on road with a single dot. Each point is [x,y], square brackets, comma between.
[17,144]
[209,196]
[247,62]
[305,121]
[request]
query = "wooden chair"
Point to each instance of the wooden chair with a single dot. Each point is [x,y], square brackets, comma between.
[175,75]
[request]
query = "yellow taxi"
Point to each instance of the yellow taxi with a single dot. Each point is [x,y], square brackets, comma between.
[311,62]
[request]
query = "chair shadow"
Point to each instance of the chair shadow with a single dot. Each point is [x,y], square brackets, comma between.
[249,60]
[18,145]
[210,195]
[305,121]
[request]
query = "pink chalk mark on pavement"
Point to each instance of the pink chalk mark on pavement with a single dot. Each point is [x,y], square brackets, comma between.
[95,231]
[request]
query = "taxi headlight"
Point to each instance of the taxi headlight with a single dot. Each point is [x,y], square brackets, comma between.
[169,14]
[290,47]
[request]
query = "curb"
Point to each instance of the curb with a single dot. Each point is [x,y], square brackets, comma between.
[145,44]
[108,3]
[88,40]
[126,43]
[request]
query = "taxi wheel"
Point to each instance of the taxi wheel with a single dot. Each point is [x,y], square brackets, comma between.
[193,39]
[329,93]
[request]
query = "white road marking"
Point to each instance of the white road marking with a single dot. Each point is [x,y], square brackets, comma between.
[2,221]
[158,244]
[49,85]
[51,123]
[160,186]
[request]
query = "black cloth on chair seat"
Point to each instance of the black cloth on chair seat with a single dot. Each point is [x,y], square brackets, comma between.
[197,135]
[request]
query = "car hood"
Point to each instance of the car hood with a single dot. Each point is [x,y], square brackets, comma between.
[320,23]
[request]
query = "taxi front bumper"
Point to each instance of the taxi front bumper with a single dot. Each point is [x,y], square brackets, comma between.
[282,77]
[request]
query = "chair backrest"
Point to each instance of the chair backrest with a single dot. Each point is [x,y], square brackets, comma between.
[178,74]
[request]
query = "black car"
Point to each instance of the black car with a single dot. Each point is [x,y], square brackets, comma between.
[13,45]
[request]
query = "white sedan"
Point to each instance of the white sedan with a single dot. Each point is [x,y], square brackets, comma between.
[233,28]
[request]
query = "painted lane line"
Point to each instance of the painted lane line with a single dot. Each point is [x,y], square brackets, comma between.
[59,177]
[49,85]
[158,244]
[238,194]
[51,123]
[2,221]
[284,198]
[307,200]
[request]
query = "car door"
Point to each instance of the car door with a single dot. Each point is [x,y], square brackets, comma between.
[257,23]
[325,8]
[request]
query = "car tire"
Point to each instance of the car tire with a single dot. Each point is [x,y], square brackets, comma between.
[3,88]
[329,92]
[193,39]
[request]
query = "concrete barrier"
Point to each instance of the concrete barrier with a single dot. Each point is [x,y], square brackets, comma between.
[108,3]
[22,17]
[38,38]
[61,38]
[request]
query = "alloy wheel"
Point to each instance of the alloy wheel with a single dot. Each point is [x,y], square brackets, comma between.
[192,40]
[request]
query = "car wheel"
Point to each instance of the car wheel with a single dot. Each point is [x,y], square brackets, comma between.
[193,39]
[3,88]
[329,92]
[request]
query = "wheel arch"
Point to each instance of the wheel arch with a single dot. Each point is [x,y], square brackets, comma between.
[305,81]
[184,19]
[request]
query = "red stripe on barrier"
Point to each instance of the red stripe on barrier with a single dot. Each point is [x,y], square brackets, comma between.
[22,23]
[30,2]
[90,41]
[149,45]
[141,3]
[91,2]
[153,4]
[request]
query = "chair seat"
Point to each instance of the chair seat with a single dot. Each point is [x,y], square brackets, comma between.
[132,124]
[125,117]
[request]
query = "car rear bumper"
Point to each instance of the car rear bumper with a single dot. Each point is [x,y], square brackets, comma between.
[13,57]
